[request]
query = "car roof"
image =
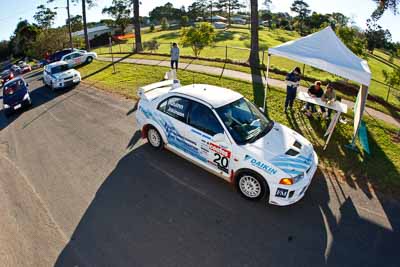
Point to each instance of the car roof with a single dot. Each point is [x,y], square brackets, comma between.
[13,80]
[213,95]
[57,63]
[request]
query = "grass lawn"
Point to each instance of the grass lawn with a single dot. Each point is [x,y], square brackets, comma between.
[240,38]
[378,171]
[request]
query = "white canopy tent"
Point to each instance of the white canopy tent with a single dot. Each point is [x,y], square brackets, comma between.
[325,51]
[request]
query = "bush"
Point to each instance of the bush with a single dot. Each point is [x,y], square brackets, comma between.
[164,24]
[152,27]
[185,21]
[151,45]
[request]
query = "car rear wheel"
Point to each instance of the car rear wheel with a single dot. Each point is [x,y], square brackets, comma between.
[154,138]
[251,186]
[89,60]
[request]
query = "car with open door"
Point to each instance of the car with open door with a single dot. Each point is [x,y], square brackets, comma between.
[224,133]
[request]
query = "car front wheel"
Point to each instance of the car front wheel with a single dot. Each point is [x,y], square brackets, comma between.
[89,60]
[251,186]
[154,138]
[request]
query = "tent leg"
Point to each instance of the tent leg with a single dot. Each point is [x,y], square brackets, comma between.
[266,82]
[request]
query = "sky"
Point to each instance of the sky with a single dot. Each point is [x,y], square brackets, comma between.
[358,10]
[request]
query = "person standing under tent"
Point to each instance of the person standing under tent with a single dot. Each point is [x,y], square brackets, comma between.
[174,56]
[292,81]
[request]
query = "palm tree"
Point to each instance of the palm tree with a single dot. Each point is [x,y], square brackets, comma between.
[87,46]
[136,22]
[254,53]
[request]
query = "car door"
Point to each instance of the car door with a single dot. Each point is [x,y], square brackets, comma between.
[78,58]
[207,133]
[172,115]
[69,60]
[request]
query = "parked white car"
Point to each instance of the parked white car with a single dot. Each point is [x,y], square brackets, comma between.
[59,75]
[79,57]
[222,132]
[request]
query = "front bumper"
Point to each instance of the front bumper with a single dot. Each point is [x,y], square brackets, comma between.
[284,195]
[66,83]
[18,105]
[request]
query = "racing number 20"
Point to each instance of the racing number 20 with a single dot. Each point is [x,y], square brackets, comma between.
[221,160]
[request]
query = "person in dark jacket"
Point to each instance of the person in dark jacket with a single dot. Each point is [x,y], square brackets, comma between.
[315,90]
[293,81]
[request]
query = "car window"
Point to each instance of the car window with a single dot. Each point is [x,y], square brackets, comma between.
[75,55]
[13,87]
[67,57]
[203,119]
[59,68]
[176,107]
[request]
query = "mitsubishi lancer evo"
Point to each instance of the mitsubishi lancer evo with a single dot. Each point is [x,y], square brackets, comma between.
[224,133]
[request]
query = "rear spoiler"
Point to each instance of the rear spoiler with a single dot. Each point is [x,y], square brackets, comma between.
[168,84]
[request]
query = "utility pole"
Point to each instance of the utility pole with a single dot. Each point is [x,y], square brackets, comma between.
[69,27]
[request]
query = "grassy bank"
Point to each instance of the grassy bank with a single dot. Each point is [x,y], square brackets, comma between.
[380,170]
[240,38]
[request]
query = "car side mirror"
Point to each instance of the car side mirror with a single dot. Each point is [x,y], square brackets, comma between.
[219,138]
[261,109]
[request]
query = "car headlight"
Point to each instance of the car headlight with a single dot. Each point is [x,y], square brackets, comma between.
[6,106]
[26,96]
[298,178]
[75,75]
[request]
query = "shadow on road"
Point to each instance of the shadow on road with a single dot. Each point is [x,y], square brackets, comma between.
[155,209]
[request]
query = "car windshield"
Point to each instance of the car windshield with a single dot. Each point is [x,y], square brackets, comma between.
[5,74]
[13,87]
[244,121]
[59,68]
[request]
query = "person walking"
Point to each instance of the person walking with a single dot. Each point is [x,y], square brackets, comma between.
[174,56]
[292,81]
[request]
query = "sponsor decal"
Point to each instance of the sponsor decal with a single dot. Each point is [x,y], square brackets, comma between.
[258,164]
[218,149]
[201,134]
[280,192]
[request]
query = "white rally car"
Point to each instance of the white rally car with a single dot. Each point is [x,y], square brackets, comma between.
[59,75]
[79,57]
[221,131]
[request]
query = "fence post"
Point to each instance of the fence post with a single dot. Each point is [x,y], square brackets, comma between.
[263,54]
[226,53]
[387,97]
[119,47]
[112,56]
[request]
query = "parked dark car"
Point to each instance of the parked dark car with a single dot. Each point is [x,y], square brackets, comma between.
[6,76]
[59,54]
[15,95]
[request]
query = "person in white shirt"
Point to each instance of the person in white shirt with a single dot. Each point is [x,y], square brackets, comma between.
[174,56]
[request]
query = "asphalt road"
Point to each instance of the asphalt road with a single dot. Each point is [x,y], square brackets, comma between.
[79,188]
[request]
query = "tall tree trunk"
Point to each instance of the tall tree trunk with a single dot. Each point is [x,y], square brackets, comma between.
[87,46]
[136,22]
[254,53]
[229,12]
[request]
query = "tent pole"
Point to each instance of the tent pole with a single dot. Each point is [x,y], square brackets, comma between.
[266,82]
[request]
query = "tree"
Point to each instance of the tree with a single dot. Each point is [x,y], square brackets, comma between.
[254,58]
[23,38]
[44,17]
[267,4]
[136,22]
[90,4]
[164,24]
[50,40]
[352,38]
[198,37]
[392,79]
[384,5]
[339,19]
[301,8]
[166,11]
[197,9]
[376,36]
[76,23]
[5,50]
[120,11]
[185,21]
[254,45]
[228,6]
